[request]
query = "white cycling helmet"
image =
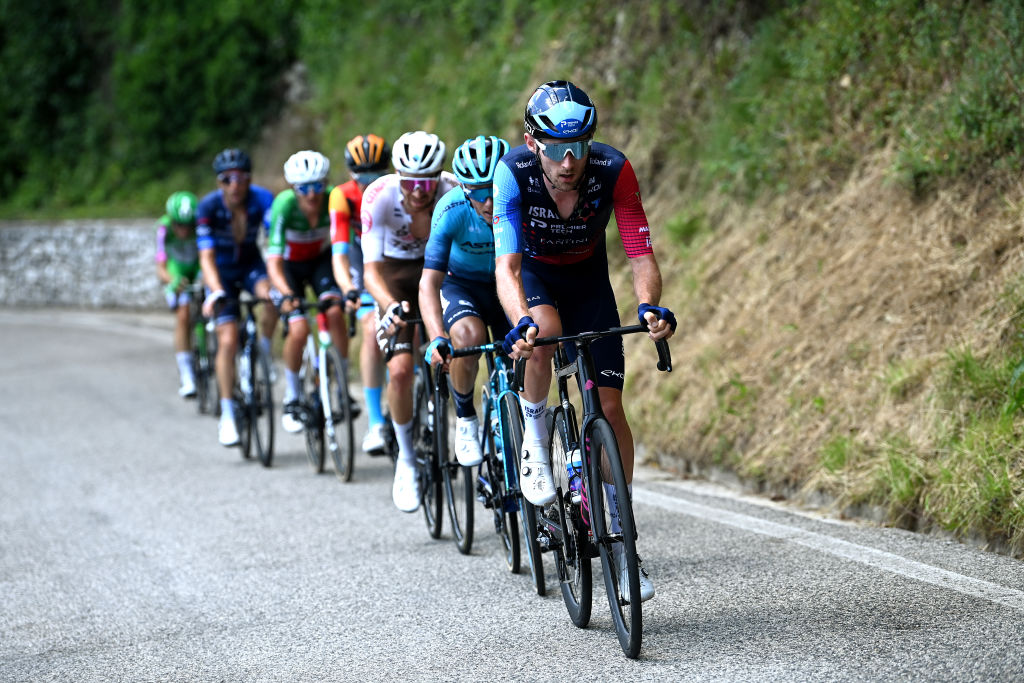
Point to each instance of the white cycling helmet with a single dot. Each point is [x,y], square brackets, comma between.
[418,153]
[306,166]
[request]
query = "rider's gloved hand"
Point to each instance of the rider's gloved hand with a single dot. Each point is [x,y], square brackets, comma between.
[439,344]
[392,315]
[517,333]
[174,286]
[661,312]
[211,299]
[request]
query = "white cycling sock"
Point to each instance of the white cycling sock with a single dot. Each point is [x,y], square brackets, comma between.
[265,348]
[227,407]
[292,385]
[534,427]
[184,359]
[406,451]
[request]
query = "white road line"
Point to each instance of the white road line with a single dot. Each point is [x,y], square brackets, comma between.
[871,557]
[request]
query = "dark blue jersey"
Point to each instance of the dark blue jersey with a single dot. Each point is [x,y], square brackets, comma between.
[213,227]
[527,221]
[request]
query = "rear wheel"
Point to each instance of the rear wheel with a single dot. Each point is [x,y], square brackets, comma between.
[619,582]
[458,480]
[337,414]
[313,416]
[261,407]
[571,558]
[512,430]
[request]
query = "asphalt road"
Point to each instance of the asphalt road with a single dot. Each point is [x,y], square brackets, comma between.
[134,547]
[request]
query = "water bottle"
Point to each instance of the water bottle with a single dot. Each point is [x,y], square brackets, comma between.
[573,471]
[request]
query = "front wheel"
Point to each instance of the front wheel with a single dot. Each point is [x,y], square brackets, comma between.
[313,417]
[622,583]
[458,480]
[491,487]
[337,413]
[261,406]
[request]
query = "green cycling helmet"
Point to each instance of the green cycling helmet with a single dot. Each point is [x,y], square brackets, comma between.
[181,207]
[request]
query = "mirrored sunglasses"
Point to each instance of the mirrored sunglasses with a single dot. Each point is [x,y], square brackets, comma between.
[229,177]
[556,151]
[426,185]
[479,193]
[307,189]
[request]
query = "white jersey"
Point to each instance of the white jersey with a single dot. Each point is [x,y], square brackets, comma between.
[387,228]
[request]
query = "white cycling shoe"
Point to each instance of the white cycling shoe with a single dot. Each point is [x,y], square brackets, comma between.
[646,587]
[535,480]
[405,492]
[187,388]
[290,417]
[227,430]
[373,441]
[467,448]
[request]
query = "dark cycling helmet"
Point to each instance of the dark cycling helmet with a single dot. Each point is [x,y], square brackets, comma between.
[233,158]
[366,153]
[181,207]
[558,109]
[476,159]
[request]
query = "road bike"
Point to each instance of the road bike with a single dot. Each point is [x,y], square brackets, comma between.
[327,414]
[204,350]
[577,526]
[253,387]
[497,477]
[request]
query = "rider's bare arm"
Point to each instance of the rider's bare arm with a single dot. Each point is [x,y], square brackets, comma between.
[430,302]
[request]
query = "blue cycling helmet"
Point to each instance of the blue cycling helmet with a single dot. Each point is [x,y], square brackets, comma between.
[558,109]
[232,159]
[476,159]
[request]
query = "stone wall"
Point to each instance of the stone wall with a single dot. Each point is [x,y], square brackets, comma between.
[87,263]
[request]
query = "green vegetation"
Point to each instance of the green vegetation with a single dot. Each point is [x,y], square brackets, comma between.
[723,108]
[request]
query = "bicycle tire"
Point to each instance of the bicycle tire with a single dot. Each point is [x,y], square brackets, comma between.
[458,480]
[431,496]
[627,617]
[201,368]
[572,561]
[512,434]
[337,414]
[496,496]
[313,416]
[261,407]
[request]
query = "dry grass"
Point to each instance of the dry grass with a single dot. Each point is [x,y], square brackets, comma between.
[806,358]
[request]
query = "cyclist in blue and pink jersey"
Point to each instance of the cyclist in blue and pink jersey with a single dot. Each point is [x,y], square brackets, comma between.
[457,294]
[553,198]
[396,214]
[299,255]
[177,266]
[229,221]
[367,157]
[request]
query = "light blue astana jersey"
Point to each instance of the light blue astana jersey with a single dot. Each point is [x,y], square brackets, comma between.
[460,243]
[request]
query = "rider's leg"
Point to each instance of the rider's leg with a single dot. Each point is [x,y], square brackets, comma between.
[268,319]
[291,354]
[468,331]
[537,380]
[371,368]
